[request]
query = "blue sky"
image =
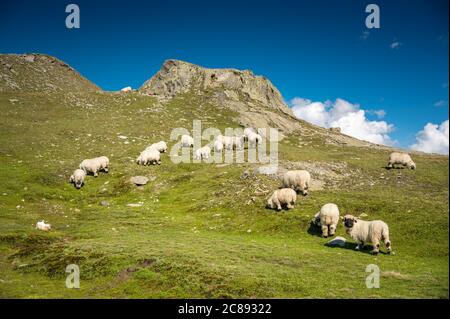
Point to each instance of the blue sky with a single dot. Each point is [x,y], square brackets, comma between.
[315,50]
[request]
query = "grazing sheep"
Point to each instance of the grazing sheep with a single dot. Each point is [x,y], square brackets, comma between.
[297,180]
[402,159]
[282,197]
[93,165]
[43,226]
[203,152]
[218,146]
[104,161]
[368,232]
[254,139]
[187,141]
[77,178]
[160,146]
[238,142]
[149,156]
[228,142]
[327,219]
[247,132]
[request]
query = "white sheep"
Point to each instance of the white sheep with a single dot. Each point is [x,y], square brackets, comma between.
[43,226]
[297,180]
[160,146]
[254,139]
[282,197]
[238,142]
[104,162]
[368,232]
[187,141]
[77,178]
[402,159]
[327,219]
[247,132]
[203,152]
[218,145]
[149,156]
[228,142]
[92,165]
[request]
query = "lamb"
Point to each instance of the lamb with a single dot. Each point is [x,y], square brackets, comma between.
[297,180]
[77,178]
[149,156]
[327,219]
[160,146]
[368,231]
[203,152]
[254,139]
[43,226]
[187,141]
[282,197]
[402,159]
[94,165]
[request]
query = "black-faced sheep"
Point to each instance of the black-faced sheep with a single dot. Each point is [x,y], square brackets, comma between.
[367,232]
[77,178]
[400,159]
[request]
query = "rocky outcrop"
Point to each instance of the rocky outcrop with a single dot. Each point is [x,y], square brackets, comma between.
[179,77]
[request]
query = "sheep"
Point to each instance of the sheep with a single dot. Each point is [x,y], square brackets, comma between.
[402,159]
[203,152]
[187,141]
[160,146]
[254,139]
[104,161]
[327,219]
[93,165]
[368,231]
[247,132]
[228,142]
[282,197]
[238,142]
[218,146]
[77,178]
[43,226]
[297,180]
[149,156]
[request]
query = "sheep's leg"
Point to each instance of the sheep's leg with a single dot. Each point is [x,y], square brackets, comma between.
[325,231]
[359,245]
[388,245]
[376,246]
[332,229]
[95,173]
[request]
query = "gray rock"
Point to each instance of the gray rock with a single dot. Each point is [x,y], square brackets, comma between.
[337,242]
[104,203]
[268,170]
[139,180]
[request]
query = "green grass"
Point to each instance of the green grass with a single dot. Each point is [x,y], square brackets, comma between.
[198,232]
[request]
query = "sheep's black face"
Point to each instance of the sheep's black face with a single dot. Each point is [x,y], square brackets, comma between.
[348,222]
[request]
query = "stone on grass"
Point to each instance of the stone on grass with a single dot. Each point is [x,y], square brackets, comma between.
[337,242]
[139,180]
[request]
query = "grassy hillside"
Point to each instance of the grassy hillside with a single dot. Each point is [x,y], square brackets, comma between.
[202,230]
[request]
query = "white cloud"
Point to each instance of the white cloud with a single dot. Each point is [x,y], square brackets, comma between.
[395,45]
[432,139]
[440,103]
[379,113]
[349,117]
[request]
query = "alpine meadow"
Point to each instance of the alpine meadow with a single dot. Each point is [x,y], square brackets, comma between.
[199,230]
